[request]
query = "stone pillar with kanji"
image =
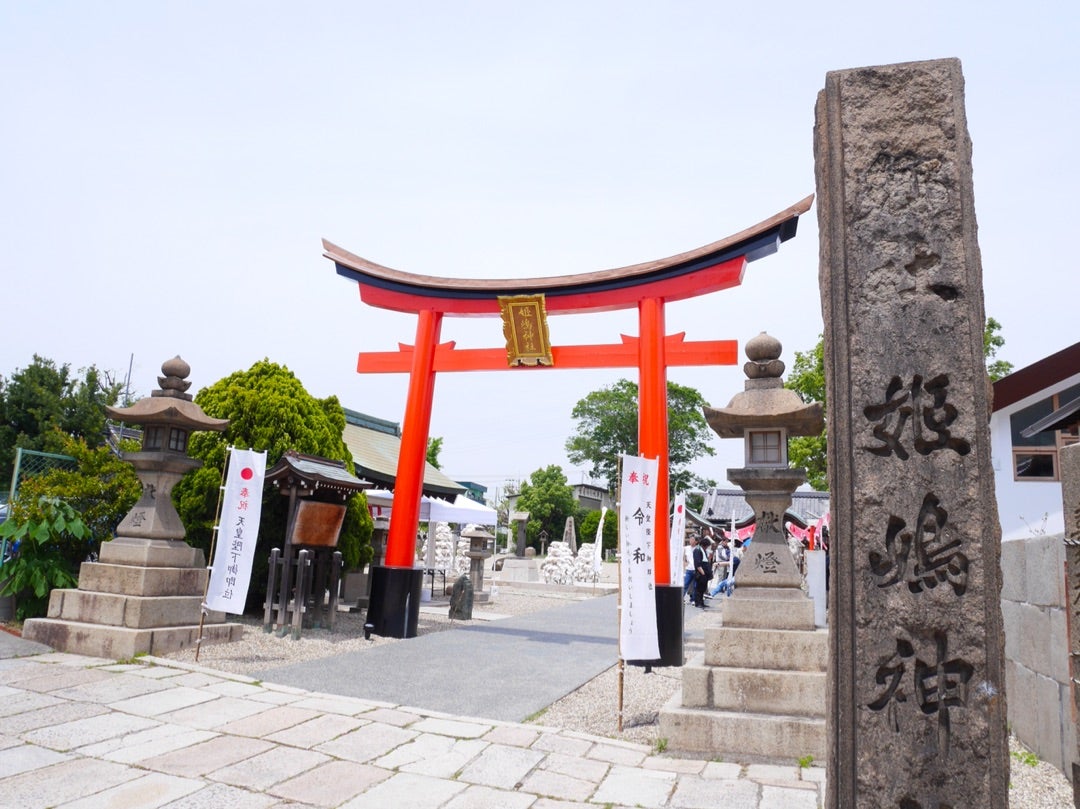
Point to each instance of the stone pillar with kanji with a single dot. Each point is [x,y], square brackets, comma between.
[916,702]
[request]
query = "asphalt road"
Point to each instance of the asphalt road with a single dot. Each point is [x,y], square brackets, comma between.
[529,661]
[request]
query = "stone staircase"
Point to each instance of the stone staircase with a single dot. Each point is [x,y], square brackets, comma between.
[756,691]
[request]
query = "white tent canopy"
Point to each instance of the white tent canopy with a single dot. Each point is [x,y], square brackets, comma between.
[432,509]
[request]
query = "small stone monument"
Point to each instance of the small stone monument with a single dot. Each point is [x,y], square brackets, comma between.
[145,593]
[569,536]
[522,567]
[917,676]
[461,599]
[521,518]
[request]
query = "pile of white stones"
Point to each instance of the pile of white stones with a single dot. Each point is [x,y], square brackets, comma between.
[562,567]
[446,558]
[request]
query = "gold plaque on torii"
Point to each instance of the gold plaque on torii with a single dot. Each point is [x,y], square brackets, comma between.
[525,328]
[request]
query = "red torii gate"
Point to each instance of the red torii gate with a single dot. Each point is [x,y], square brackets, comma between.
[647,286]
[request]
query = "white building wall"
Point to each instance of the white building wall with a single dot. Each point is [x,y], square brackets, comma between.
[1030,507]
[1037,682]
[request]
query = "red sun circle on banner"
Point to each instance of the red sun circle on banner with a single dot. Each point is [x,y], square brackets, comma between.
[246,473]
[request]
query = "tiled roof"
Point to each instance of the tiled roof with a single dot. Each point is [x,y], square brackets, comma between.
[375,453]
[721,504]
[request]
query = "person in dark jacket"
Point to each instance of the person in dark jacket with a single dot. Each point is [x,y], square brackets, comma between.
[702,571]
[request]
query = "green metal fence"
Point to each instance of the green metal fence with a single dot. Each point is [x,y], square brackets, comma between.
[29,462]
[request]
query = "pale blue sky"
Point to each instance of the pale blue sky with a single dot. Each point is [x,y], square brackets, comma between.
[168,171]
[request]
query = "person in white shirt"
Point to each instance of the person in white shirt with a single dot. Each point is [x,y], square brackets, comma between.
[688,565]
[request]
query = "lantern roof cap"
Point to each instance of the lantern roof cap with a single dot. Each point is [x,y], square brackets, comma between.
[171,404]
[765,403]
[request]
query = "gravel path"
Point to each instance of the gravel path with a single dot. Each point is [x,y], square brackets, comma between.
[593,708]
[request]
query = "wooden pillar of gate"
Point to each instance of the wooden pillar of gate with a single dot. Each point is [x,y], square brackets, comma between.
[653,419]
[653,443]
[409,482]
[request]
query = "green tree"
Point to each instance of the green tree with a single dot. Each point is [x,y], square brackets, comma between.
[268,409]
[807,378]
[610,537]
[549,500]
[44,402]
[607,426]
[434,447]
[992,342]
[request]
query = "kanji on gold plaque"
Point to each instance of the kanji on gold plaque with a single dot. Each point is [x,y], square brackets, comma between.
[525,328]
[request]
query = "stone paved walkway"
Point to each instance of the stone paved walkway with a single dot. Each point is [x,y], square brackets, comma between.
[79,732]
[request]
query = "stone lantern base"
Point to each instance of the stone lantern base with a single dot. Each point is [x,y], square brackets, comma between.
[142,597]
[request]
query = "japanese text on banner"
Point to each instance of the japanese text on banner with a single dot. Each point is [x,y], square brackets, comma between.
[241,509]
[637,518]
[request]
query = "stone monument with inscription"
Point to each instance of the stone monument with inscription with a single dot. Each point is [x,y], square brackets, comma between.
[1069,461]
[916,683]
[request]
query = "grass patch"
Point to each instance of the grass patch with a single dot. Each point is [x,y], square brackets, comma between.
[533,717]
[130,661]
[1025,757]
[661,745]
[805,762]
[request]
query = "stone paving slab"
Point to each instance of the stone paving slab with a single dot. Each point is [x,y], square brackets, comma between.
[135,747]
[199,740]
[81,732]
[148,792]
[331,784]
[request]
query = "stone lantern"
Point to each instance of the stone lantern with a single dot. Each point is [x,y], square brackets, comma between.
[479,540]
[152,531]
[759,688]
[765,415]
[145,592]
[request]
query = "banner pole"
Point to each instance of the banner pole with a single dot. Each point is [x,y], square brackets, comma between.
[619,546]
[213,545]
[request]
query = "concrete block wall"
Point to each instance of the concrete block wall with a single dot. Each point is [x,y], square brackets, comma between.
[1033,607]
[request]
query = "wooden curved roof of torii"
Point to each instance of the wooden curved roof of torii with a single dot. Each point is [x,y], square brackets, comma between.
[715,266]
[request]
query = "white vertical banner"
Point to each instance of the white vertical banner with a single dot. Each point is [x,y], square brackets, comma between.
[637,518]
[241,509]
[598,548]
[676,539]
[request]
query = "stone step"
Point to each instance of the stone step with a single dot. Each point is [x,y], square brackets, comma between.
[736,736]
[101,577]
[762,691]
[122,643]
[778,649]
[132,612]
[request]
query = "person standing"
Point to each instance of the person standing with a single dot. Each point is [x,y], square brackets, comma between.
[688,565]
[724,554]
[702,572]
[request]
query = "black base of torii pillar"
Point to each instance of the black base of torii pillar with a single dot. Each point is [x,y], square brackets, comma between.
[669,628]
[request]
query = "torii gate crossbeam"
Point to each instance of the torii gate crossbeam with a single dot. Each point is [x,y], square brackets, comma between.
[646,286]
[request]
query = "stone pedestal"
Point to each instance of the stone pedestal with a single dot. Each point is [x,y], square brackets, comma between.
[142,597]
[525,570]
[755,693]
